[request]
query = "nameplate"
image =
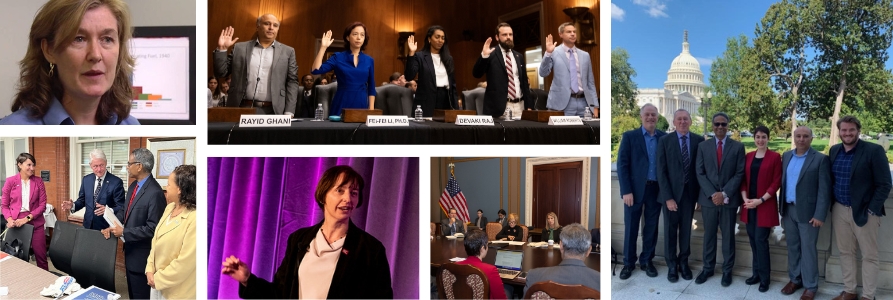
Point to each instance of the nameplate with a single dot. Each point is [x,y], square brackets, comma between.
[565,120]
[382,121]
[264,121]
[466,120]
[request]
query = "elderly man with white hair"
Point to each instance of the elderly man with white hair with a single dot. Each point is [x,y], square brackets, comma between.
[99,190]
[576,244]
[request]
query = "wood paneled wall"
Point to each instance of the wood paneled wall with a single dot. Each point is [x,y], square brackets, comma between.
[303,22]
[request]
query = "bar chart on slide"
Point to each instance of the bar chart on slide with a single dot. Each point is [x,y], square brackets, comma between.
[160,79]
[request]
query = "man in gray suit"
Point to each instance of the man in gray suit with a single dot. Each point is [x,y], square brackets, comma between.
[264,71]
[453,224]
[576,243]
[573,86]
[676,177]
[720,169]
[803,204]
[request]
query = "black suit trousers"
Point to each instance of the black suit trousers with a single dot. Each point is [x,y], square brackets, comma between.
[723,218]
[137,285]
[677,230]
[650,208]
[759,245]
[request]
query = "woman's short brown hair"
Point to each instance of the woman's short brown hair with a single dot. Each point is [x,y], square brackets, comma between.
[57,22]
[23,157]
[330,179]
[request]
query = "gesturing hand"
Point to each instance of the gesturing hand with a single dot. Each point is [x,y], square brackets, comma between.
[487,50]
[550,46]
[226,39]
[235,268]
[327,39]
[67,204]
[413,46]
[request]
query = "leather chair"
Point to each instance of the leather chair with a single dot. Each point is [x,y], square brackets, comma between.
[493,229]
[524,232]
[552,290]
[596,236]
[62,245]
[324,95]
[432,228]
[93,260]
[538,99]
[394,100]
[474,100]
[23,235]
[462,282]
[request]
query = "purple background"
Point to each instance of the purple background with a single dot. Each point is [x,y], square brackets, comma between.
[239,187]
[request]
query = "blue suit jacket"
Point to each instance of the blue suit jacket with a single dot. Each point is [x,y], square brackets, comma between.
[560,90]
[632,163]
[111,195]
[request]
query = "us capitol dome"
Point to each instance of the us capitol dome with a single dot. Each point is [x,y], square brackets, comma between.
[683,89]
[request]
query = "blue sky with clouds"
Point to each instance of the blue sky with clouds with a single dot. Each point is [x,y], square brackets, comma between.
[651,31]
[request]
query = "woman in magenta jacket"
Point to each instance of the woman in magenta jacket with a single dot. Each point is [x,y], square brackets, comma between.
[24,185]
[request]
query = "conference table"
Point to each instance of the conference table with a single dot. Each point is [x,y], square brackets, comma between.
[443,249]
[429,132]
[25,281]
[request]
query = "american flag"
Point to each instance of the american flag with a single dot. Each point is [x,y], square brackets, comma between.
[452,197]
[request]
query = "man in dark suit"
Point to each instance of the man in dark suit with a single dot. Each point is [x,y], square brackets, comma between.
[481,220]
[637,172]
[264,71]
[861,178]
[452,225]
[306,102]
[720,169]
[98,190]
[501,218]
[506,71]
[145,205]
[804,200]
[676,157]
[576,244]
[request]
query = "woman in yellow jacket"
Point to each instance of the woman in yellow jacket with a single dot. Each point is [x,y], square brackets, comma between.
[170,268]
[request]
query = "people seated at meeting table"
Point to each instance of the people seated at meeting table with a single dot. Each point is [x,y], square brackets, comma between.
[314,255]
[552,232]
[170,268]
[24,199]
[476,248]
[452,225]
[512,231]
[501,217]
[355,70]
[78,68]
[481,220]
[575,247]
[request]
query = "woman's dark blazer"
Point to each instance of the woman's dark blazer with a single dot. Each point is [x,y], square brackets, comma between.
[422,64]
[768,181]
[362,270]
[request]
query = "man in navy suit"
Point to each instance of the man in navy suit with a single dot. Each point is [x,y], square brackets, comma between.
[573,86]
[98,190]
[507,84]
[637,171]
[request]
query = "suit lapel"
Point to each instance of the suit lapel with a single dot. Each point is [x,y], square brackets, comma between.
[176,221]
[247,48]
[809,158]
[857,156]
[639,140]
[711,154]
[428,60]
[275,56]
[32,193]
[561,49]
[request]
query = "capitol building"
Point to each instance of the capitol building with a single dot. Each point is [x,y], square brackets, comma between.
[683,89]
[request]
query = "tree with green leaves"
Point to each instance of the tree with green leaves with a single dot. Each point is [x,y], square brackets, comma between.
[740,89]
[623,88]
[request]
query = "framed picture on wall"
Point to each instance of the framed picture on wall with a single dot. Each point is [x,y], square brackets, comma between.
[168,160]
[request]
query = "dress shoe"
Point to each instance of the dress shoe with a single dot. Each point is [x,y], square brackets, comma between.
[764,286]
[866,298]
[672,275]
[726,279]
[649,269]
[752,280]
[702,277]
[685,271]
[845,296]
[790,288]
[626,272]
[808,295]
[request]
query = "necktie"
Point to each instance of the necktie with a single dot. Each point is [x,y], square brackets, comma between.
[686,159]
[508,70]
[98,187]
[129,208]
[573,66]
[719,154]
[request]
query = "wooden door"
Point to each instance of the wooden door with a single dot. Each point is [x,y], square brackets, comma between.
[557,188]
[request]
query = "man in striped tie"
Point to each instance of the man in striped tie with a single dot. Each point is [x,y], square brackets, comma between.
[507,85]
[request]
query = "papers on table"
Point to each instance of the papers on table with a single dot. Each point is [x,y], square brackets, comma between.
[109,216]
[515,243]
[457,259]
[4,291]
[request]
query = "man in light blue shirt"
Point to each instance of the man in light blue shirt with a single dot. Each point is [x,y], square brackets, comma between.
[804,199]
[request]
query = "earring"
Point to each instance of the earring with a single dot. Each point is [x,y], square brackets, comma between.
[50,73]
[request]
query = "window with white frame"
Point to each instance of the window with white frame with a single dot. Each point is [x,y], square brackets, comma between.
[10,148]
[117,152]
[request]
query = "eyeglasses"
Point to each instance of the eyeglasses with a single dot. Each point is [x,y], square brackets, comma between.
[718,124]
[131,163]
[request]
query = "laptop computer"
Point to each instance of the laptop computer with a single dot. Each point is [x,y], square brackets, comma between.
[509,263]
